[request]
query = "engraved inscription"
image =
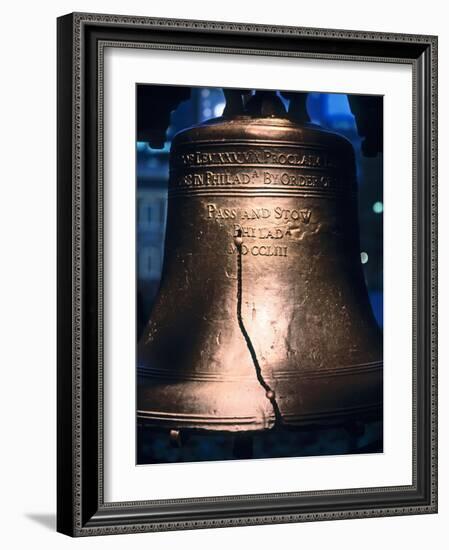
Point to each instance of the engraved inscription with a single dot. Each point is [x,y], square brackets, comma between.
[300,180]
[271,228]
[294,214]
[255,250]
[210,179]
[278,213]
[255,178]
[311,159]
[221,213]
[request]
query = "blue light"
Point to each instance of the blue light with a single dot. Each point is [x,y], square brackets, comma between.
[219,107]
[378,207]
[332,111]
[338,104]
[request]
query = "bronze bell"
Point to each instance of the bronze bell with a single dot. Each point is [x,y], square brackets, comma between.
[262,316]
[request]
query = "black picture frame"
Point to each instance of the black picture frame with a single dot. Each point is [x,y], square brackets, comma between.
[81,509]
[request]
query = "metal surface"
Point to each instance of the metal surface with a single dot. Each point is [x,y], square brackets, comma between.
[263,316]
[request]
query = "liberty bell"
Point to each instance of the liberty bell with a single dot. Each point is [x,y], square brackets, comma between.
[262,317]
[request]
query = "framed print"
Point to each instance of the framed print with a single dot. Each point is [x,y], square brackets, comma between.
[246,274]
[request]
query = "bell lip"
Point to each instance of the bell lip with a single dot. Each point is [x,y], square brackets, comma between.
[321,421]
